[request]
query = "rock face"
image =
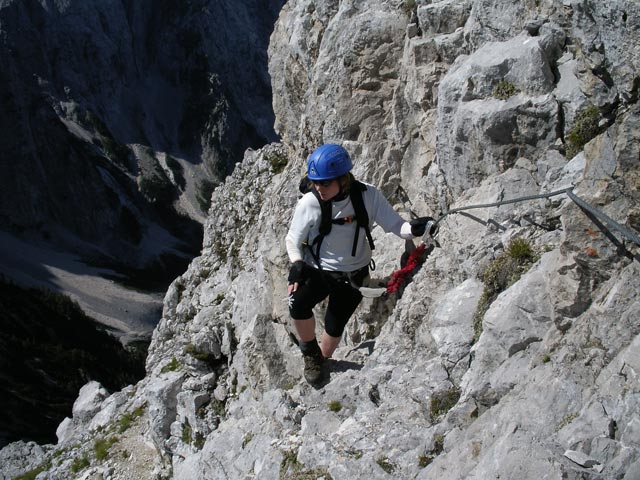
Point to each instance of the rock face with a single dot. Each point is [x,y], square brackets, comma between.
[116,116]
[513,352]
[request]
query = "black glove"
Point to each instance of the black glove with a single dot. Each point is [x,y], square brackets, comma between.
[296,272]
[419,226]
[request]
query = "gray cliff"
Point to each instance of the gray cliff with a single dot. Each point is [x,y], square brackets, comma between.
[514,352]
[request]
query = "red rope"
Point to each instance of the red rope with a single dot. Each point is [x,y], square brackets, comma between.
[399,278]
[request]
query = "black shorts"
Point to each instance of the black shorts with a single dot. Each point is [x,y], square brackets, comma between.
[344,297]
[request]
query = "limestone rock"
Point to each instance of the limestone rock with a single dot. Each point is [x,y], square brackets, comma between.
[89,401]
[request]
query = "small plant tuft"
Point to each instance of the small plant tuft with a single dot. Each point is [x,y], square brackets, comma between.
[128,418]
[385,465]
[101,447]
[247,439]
[31,474]
[566,421]
[191,349]
[172,366]
[198,440]
[80,464]
[218,407]
[521,251]
[504,89]
[585,128]
[357,454]
[442,402]
[187,433]
[428,457]
[476,449]
[277,161]
[335,406]
[438,443]
[292,469]
[409,6]
[503,272]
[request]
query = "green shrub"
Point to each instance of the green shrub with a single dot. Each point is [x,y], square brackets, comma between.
[247,439]
[385,464]
[128,418]
[503,272]
[172,366]
[585,128]
[191,349]
[335,406]
[409,6]
[198,440]
[277,160]
[80,464]
[504,89]
[186,433]
[521,251]
[442,402]
[115,151]
[101,447]
[438,443]
[31,474]
[292,469]
[566,421]
[218,407]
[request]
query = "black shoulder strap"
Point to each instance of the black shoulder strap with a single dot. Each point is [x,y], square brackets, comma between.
[324,229]
[362,220]
[362,216]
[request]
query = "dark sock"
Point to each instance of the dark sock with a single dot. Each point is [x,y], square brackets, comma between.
[310,348]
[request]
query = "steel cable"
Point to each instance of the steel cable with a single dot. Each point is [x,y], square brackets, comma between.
[505,202]
[569,191]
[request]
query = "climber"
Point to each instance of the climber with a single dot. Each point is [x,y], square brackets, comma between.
[329,257]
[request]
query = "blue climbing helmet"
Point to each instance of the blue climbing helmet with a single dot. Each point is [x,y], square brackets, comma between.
[328,161]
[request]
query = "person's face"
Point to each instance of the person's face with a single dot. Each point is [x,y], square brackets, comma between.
[327,189]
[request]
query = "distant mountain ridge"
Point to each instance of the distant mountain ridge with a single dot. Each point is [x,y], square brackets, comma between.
[118,116]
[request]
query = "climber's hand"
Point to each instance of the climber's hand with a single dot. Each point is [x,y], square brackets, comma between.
[423,224]
[296,275]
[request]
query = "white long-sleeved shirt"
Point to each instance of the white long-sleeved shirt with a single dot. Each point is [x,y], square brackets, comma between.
[335,250]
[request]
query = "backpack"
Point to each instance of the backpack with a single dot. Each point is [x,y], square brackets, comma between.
[326,222]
